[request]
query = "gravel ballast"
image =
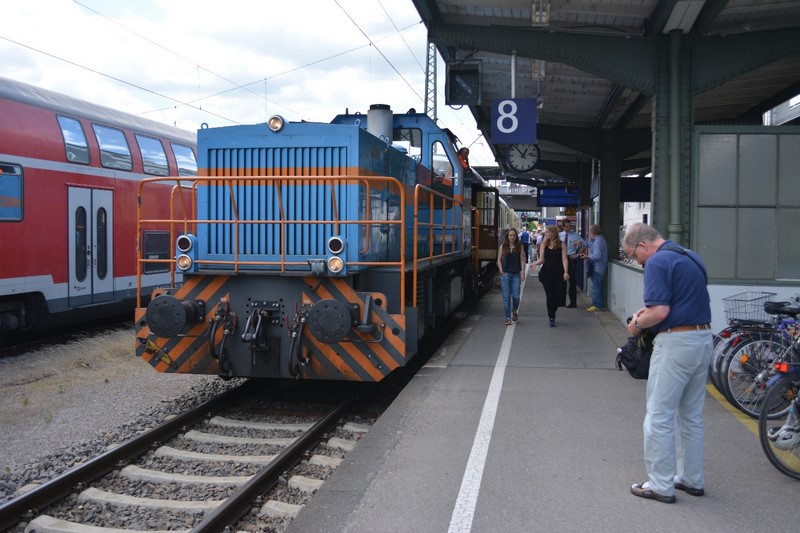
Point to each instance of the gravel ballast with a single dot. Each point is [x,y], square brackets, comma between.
[60,404]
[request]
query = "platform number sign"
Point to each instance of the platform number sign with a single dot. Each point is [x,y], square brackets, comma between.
[514,121]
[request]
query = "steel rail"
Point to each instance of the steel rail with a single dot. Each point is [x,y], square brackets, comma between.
[237,504]
[31,503]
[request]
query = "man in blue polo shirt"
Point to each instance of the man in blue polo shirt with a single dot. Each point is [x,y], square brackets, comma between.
[677,306]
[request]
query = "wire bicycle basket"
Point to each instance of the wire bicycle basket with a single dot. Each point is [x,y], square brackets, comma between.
[747,306]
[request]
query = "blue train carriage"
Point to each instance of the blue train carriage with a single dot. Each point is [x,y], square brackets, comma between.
[312,250]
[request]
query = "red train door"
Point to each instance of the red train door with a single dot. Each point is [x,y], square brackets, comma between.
[91,257]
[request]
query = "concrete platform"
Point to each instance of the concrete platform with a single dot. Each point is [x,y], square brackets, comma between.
[531,428]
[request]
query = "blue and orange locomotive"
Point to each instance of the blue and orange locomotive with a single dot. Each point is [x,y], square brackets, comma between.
[315,250]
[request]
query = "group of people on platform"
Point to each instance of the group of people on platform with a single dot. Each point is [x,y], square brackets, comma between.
[676,308]
[557,252]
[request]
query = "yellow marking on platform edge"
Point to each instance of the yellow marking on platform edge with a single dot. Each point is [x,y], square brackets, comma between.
[746,421]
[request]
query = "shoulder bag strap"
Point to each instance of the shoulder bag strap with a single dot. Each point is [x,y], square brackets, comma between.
[683,251]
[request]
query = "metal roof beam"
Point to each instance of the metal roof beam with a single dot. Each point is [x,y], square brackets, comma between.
[708,15]
[754,114]
[597,54]
[716,60]
[655,23]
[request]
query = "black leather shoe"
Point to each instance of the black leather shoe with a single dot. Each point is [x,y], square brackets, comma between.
[571,306]
[689,490]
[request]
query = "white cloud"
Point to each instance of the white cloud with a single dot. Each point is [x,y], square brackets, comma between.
[181,61]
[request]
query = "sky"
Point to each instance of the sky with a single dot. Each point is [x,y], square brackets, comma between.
[190,62]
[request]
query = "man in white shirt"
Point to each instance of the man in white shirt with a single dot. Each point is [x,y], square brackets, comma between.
[575,245]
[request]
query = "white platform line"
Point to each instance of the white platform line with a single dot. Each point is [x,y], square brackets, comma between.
[464,511]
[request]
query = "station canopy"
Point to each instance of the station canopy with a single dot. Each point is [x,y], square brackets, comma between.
[573,57]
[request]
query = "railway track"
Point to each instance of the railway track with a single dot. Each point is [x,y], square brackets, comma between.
[190,472]
[210,468]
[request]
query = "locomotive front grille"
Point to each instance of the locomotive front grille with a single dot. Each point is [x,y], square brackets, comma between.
[274,161]
[265,209]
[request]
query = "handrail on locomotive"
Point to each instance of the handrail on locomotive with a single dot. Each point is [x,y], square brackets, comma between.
[187,223]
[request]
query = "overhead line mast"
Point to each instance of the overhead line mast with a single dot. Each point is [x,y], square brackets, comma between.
[430,82]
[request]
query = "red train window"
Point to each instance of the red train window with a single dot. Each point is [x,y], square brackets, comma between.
[101,240]
[75,145]
[81,263]
[156,245]
[187,164]
[154,160]
[11,192]
[114,149]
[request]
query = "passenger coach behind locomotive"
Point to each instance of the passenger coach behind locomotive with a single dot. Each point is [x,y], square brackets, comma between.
[316,251]
[69,172]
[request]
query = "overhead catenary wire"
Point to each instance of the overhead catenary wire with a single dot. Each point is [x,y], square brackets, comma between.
[194,104]
[378,50]
[197,101]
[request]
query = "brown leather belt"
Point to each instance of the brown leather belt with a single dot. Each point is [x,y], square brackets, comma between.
[698,327]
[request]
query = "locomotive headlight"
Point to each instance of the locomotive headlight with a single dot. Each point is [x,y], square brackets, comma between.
[186,251]
[184,243]
[184,262]
[276,123]
[336,245]
[335,264]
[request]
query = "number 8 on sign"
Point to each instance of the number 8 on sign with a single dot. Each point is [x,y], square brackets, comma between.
[514,121]
[507,114]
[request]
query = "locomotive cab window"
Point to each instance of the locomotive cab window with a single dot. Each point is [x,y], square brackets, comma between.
[11,192]
[154,159]
[441,165]
[442,169]
[114,149]
[187,164]
[76,147]
[411,138]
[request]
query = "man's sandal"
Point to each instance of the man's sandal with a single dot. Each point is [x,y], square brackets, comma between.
[643,490]
[508,322]
[514,316]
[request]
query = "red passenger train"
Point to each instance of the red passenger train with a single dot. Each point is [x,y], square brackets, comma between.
[69,172]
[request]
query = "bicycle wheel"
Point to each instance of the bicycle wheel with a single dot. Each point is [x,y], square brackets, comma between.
[749,368]
[721,341]
[741,338]
[780,437]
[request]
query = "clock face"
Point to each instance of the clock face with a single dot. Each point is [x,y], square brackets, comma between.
[522,157]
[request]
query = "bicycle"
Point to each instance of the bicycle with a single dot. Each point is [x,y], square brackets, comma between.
[736,333]
[746,319]
[779,422]
[749,366]
[760,332]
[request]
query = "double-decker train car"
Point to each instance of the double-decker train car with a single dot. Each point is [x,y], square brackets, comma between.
[69,172]
[319,250]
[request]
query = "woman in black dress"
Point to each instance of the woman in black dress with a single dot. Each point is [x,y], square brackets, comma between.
[554,272]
